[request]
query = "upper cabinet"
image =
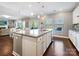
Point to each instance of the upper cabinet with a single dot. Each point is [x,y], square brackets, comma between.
[76,15]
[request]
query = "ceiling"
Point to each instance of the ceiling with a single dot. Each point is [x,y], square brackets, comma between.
[20,9]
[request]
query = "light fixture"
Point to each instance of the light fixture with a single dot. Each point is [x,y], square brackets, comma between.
[38,16]
[43,17]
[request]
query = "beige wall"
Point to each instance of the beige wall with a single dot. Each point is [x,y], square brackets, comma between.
[67,21]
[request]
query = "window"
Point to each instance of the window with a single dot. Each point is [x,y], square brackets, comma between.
[34,24]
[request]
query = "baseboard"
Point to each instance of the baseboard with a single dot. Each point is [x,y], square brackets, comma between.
[60,36]
[15,54]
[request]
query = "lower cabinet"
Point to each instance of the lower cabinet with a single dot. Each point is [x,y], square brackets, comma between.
[48,38]
[28,46]
[31,46]
[44,42]
[43,47]
[77,43]
[74,37]
[39,46]
[35,46]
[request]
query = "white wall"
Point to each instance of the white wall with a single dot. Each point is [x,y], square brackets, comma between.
[67,21]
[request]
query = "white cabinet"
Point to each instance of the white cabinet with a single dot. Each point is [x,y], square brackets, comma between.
[35,46]
[70,34]
[48,38]
[39,50]
[44,43]
[76,15]
[77,43]
[39,46]
[74,37]
[28,46]
[17,44]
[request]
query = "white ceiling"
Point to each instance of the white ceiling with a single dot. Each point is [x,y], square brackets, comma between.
[19,9]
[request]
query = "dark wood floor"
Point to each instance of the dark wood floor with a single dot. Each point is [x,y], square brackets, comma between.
[59,47]
[6,44]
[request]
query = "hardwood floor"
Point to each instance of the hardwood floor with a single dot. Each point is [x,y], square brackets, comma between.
[6,44]
[59,47]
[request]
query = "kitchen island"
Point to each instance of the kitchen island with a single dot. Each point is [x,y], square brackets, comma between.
[31,42]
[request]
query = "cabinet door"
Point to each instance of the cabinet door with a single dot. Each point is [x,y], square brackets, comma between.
[48,39]
[44,43]
[43,47]
[69,34]
[77,44]
[72,36]
[17,44]
[39,47]
[39,50]
[28,46]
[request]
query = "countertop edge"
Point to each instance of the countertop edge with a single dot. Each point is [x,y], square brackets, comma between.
[31,35]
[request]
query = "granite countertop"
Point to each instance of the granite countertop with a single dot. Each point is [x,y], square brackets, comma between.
[32,33]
